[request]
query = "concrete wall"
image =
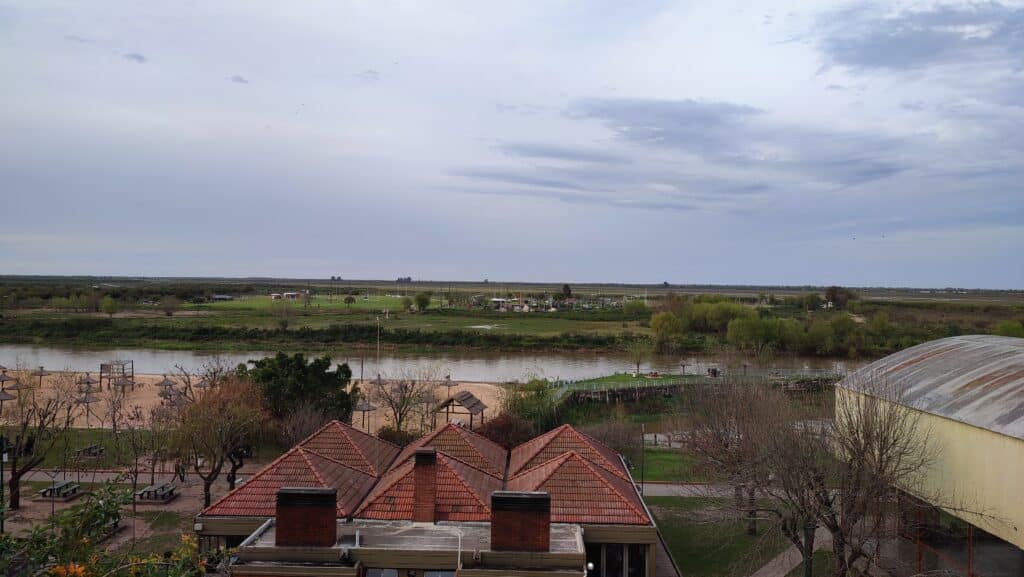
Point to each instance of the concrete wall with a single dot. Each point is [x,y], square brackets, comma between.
[976,470]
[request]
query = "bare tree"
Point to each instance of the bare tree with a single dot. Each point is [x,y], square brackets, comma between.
[406,397]
[803,474]
[215,429]
[37,421]
[303,421]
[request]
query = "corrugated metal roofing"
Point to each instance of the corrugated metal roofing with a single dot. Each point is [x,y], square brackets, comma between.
[974,379]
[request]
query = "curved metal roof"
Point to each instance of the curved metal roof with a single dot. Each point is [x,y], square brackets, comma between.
[974,379]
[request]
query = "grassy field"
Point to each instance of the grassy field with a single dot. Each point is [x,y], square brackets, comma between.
[706,544]
[671,466]
[38,311]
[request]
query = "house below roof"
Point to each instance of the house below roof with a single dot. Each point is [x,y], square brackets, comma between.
[550,507]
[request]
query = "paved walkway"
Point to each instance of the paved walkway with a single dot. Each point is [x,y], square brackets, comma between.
[686,490]
[790,559]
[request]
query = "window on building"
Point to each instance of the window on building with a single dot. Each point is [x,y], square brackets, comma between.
[614,560]
[636,564]
[595,551]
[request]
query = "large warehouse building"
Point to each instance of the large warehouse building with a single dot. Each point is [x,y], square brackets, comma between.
[968,518]
[343,502]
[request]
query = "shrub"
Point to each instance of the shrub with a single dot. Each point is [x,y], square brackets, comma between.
[393,435]
[507,430]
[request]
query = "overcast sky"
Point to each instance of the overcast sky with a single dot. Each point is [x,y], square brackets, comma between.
[689,142]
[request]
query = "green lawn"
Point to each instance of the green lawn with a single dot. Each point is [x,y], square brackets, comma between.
[167,528]
[671,465]
[705,545]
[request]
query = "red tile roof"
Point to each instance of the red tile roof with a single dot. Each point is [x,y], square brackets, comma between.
[463,493]
[559,441]
[299,467]
[353,447]
[583,492]
[464,445]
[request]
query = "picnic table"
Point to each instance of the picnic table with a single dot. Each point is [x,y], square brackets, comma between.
[61,490]
[93,450]
[162,492]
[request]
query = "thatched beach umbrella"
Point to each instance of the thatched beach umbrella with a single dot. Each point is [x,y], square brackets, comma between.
[4,397]
[165,382]
[364,406]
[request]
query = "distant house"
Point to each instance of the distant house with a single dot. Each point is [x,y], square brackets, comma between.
[222,298]
[275,296]
[291,296]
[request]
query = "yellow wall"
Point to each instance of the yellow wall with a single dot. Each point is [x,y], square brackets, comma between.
[976,470]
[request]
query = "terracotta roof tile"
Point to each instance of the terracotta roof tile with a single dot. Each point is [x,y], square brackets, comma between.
[464,445]
[463,493]
[346,444]
[583,492]
[298,467]
[559,441]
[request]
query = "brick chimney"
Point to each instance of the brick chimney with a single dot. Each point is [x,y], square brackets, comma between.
[306,517]
[424,495]
[520,521]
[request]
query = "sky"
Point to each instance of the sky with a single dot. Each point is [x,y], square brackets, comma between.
[790,143]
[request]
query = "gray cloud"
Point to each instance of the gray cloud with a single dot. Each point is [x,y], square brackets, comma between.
[77,38]
[555,152]
[516,177]
[742,136]
[238,79]
[863,38]
[135,57]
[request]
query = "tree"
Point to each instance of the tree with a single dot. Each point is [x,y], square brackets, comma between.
[666,326]
[349,299]
[566,291]
[108,305]
[286,381]
[533,402]
[508,430]
[639,351]
[635,309]
[218,428]
[402,398]
[406,303]
[36,421]
[303,420]
[839,479]
[422,301]
[839,296]
[170,305]
[812,301]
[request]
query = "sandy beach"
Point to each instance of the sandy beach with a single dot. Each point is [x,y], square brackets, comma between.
[145,395]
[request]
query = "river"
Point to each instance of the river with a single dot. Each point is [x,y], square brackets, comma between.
[461,365]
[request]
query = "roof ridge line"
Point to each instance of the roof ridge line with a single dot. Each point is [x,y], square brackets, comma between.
[303,451]
[367,501]
[345,432]
[593,467]
[562,456]
[266,468]
[463,482]
[336,461]
[540,446]
[591,440]
[349,428]
[473,446]
[470,465]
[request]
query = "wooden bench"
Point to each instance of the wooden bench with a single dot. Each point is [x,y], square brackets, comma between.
[157,493]
[93,450]
[60,491]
